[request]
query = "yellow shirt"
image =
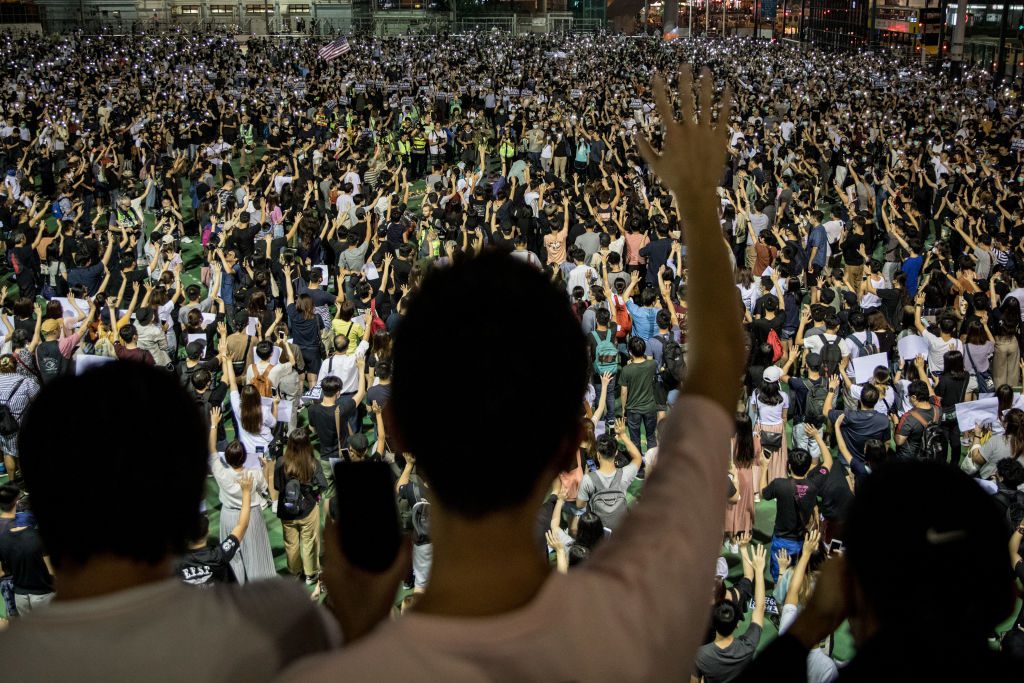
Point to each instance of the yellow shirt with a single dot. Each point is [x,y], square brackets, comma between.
[350,329]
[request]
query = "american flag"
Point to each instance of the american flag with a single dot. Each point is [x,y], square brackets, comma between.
[335,48]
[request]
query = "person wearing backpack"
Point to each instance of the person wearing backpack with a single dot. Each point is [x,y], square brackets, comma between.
[830,348]
[910,430]
[414,518]
[603,491]
[258,373]
[859,426]
[605,353]
[53,354]
[16,392]
[299,480]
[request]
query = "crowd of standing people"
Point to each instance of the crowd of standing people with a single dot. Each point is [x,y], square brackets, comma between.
[394,255]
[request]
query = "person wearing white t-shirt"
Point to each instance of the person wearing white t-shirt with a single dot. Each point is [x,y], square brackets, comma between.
[939,345]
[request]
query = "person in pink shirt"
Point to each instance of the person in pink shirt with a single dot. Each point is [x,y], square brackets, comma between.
[493,609]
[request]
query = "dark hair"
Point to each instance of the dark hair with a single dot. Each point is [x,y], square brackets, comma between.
[637,347]
[9,494]
[869,396]
[578,553]
[122,398]
[1011,472]
[330,386]
[743,453]
[589,530]
[264,350]
[725,617]
[234,454]
[918,390]
[799,460]
[953,366]
[495,292]
[903,511]
[603,317]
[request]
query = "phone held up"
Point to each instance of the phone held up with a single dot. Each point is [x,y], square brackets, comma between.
[366,514]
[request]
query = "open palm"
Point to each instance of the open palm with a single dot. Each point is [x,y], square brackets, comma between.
[693,156]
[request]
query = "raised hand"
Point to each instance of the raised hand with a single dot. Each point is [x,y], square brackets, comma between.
[693,155]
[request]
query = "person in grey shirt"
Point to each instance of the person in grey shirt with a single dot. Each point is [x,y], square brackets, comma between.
[589,241]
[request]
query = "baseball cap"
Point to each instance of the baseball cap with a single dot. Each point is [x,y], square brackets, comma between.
[358,442]
[772,374]
[50,326]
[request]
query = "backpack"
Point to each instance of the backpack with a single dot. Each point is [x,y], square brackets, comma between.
[623,320]
[291,497]
[376,323]
[934,444]
[816,395]
[51,362]
[606,354]
[776,344]
[673,363]
[8,423]
[865,348]
[831,356]
[414,510]
[261,380]
[608,502]
[1012,501]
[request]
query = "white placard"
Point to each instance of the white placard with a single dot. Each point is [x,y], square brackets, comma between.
[275,355]
[864,366]
[250,329]
[913,346]
[983,412]
[69,310]
[209,318]
[199,337]
[284,409]
[85,361]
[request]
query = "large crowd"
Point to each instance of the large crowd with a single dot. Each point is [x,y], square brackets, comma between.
[605,328]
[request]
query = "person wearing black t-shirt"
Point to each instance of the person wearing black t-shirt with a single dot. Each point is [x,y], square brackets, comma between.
[204,564]
[334,410]
[797,498]
[833,484]
[23,558]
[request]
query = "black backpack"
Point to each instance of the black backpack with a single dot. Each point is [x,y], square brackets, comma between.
[831,356]
[291,497]
[934,444]
[1012,502]
[414,510]
[868,347]
[8,423]
[673,363]
[816,396]
[51,362]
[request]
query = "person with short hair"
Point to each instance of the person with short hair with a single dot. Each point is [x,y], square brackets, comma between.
[796,506]
[119,609]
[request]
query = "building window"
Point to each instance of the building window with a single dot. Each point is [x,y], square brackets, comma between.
[222,9]
[189,9]
[259,9]
[298,9]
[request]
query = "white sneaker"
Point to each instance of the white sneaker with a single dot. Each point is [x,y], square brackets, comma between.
[186,240]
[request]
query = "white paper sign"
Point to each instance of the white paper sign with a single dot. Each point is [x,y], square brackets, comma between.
[284,409]
[69,310]
[275,355]
[250,329]
[983,412]
[85,361]
[209,318]
[913,346]
[864,366]
[199,337]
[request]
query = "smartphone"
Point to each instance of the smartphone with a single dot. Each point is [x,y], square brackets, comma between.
[835,546]
[366,514]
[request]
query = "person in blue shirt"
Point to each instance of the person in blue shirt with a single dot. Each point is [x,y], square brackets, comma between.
[645,316]
[817,244]
[913,264]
